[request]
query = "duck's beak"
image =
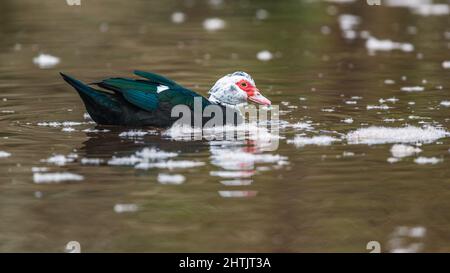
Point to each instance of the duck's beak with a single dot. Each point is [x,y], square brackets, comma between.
[258,98]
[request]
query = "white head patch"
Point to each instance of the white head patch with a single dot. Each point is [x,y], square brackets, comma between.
[225,90]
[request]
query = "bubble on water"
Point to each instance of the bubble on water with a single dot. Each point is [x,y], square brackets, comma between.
[432,9]
[427,160]
[237,182]
[233,174]
[393,160]
[373,45]
[413,89]
[173,179]
[68,129]
[136,133]
[91,161]
[329,110]
[237,194]
[152,153]
[91,130]
[43,178]
[402,150]
[178,17]
[347,120]
[389,82]
[214,24]
[445,103]
[61,124]
[378,107]
[45,61]
[301,126]
[264,55]
[170,164]
[446,64]
[240,160]
[301,141]
[262,14]
[421,7]
[408,134]
[39,169]
[122,208]
[60,160]
[127,160]
[4,154]
[347,23]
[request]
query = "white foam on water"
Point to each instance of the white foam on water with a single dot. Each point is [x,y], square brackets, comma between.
[124,161]
[413,89]
[347,120]
[393,160]
[389,82]
[382,135]
[173,179]
[236,182]
[432,10]
[428,160]
[43,178]
[239,160]
[59,160]
[91,130]
[348,23]
[392,100]
[214,24]
[378,107]
[61,124]
[45,61]
[373,45]
[402,150]
[232,174]
[133,134]
[301,126]
[445,103]
[262,14]
[122,208]
[237,194]
[243,131]
[153,154]
[264,56]
[4,154]
[301,141]
[170,164]
[91,161]
[68,129]
[178,17]
[446,64]
[39,169]
[421,7]
[348,154]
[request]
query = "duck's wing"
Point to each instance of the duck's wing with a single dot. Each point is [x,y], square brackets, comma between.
[148,94]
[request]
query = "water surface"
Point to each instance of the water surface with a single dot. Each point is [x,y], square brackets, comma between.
[325,198]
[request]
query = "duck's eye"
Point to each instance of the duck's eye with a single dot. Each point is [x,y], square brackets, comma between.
[244,84]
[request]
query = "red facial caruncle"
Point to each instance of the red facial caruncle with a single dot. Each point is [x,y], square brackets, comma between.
[253,93]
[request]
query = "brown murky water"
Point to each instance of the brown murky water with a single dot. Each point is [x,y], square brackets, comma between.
[326,198]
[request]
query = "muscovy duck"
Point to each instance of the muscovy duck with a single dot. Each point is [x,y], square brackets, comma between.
[149,101]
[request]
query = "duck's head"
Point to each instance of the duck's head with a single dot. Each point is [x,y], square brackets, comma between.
[236,89]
